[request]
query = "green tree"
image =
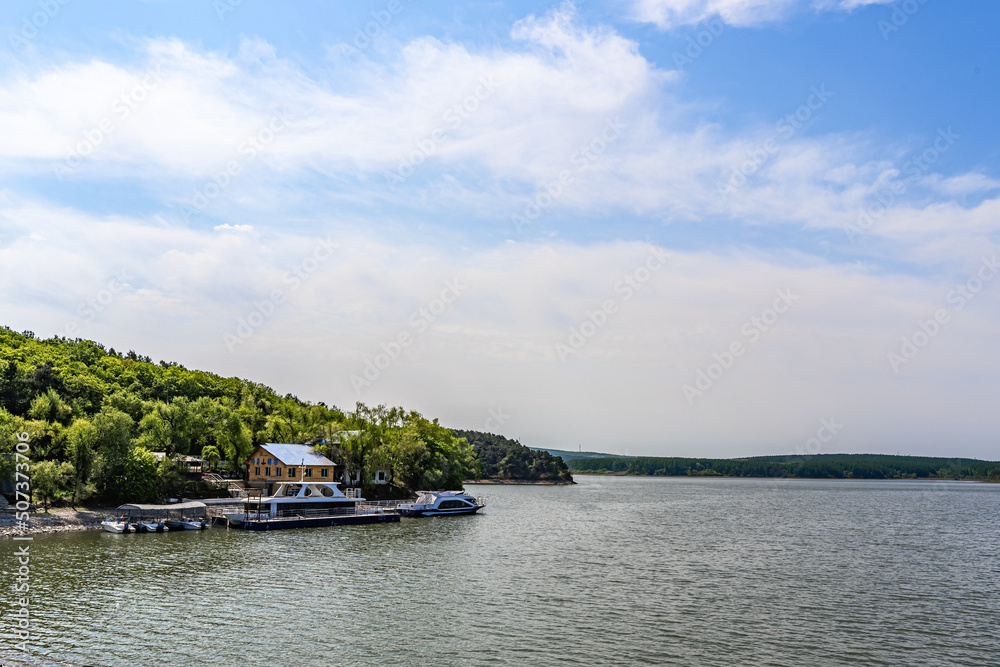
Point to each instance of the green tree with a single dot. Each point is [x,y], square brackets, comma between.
[210,453]
[141,478]
[50,407]
[51,480]
[82,439]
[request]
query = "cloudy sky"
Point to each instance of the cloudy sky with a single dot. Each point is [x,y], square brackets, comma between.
[664,227]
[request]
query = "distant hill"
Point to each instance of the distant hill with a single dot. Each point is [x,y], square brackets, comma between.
[508,460]
[828,466]
[567,455]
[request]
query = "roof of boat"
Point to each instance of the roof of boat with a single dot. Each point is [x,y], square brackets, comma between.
[194,504]
[442,493]
[296,454]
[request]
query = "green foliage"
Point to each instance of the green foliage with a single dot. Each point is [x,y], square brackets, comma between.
[132,478]
[51,480]
[82,439]
[506,459]
[210,454]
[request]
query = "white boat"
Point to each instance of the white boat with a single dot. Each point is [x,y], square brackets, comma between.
[296,499]
[152,527]
[193,524]
[113,525]
[441,503]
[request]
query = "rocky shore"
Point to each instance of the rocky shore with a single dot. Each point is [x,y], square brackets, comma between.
[53,521]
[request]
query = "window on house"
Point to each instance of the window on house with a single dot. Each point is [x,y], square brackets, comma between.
[309,472]
[267,472]
[291,473]
[324,472]
[256,471]
[381,475]
[277,472]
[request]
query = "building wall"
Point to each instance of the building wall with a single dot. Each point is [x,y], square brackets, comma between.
[278,471]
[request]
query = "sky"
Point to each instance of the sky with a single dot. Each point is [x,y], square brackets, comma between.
[652,227]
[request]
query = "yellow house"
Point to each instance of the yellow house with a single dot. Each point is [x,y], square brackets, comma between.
[273,462]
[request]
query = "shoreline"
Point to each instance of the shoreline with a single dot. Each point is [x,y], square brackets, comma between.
[517,482]
[59,520]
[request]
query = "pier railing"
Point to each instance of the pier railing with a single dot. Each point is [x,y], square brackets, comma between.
[341,511]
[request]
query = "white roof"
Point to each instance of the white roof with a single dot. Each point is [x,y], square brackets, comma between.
[193,504]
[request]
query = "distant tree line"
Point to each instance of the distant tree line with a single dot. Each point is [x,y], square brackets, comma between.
[821,466]
[505,459]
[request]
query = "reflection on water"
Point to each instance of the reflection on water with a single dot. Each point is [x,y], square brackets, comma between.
[613,570]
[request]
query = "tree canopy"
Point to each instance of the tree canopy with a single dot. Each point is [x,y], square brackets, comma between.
[505,459]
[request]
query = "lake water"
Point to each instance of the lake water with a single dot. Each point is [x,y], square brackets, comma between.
[614,570]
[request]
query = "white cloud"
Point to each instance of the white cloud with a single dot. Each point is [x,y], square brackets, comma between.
[667,14]
[495,345]
[543,103]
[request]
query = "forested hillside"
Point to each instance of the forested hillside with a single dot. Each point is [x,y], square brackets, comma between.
[505,459]
[832,466]
[95,416]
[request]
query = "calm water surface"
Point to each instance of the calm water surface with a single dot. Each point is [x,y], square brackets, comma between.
[614,570]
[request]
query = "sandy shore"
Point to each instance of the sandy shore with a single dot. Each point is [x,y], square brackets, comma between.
[55,521]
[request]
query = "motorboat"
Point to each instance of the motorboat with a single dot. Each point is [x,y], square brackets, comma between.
[193,524]
[173,524]
[151,527]
[441,503]
[117,525]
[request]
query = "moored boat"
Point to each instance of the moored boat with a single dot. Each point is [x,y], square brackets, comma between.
[441,503]
[151,527]
[306,504]
[117,525]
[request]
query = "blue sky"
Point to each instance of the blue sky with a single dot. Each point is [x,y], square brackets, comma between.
[224,155]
